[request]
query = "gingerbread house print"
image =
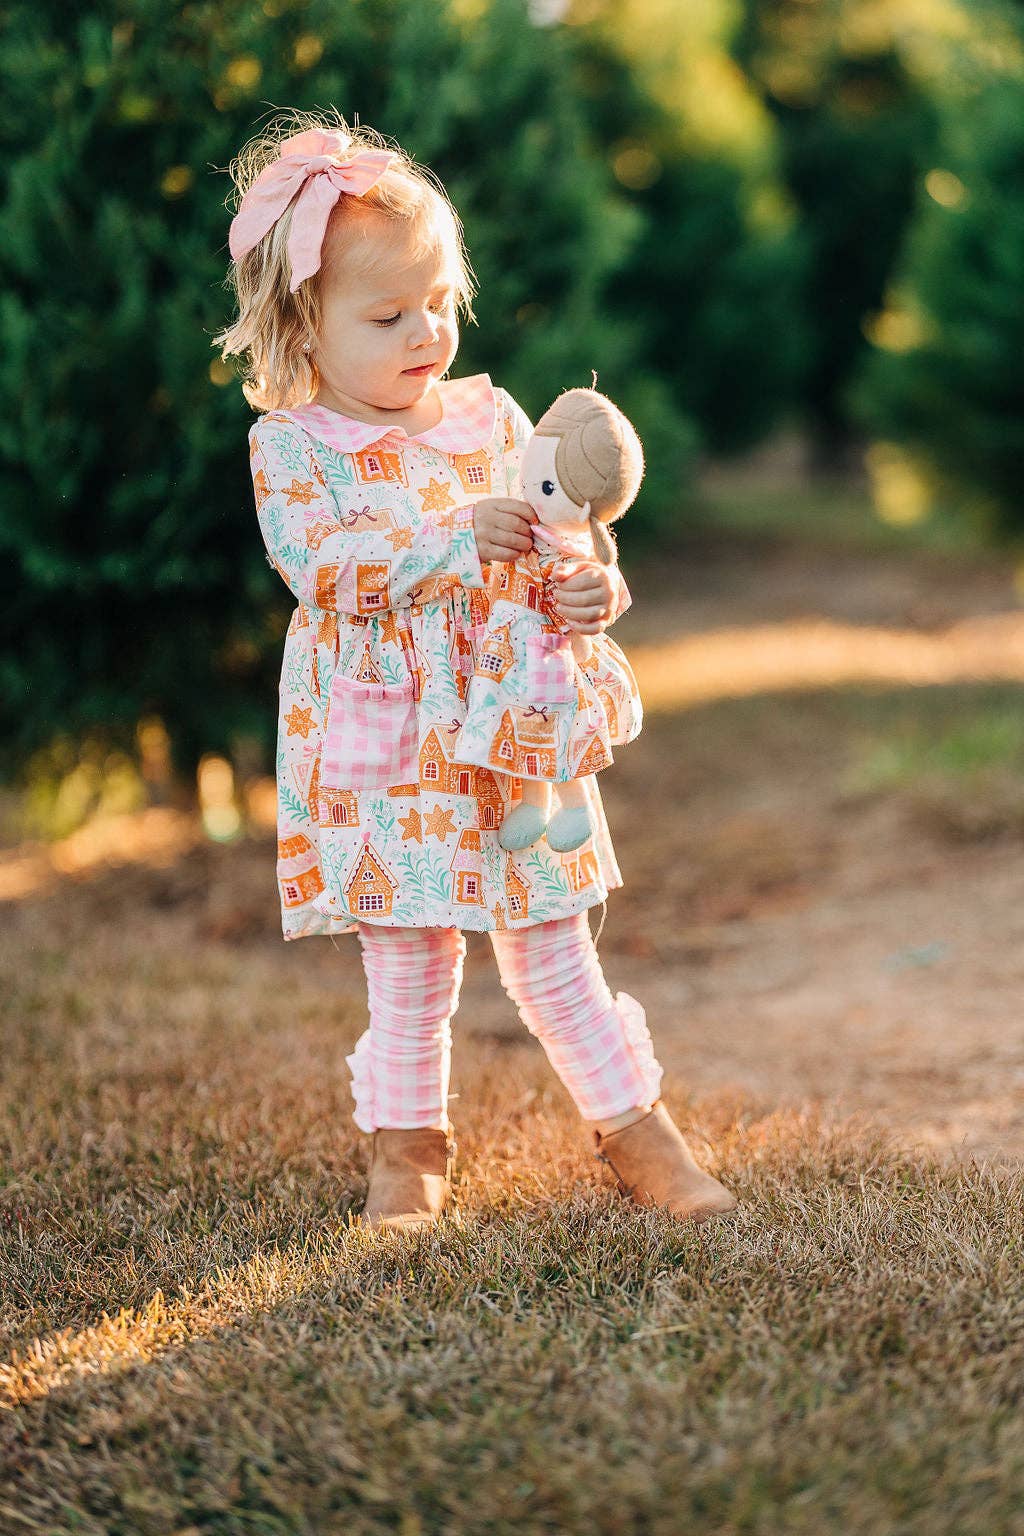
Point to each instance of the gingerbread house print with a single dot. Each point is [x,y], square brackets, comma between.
[325,587]
[372,586]
[371,887]
[467,868]
[474,471]
[261,486]
[498,913]
[376,464]
[580,867]
[438,770]
[524,743]
[489,804]
[611,714]
[516,892]
[306,777]
[299,619]
[460,654]
[416,660]
[368,671]
[298,870]
[338,808]
[496,655]
[518,584]
[595,757]
[317,531]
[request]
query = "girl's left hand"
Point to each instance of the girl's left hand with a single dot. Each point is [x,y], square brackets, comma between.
[585,597]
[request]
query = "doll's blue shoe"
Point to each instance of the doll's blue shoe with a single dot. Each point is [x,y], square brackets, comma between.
[522,828]
[569,828]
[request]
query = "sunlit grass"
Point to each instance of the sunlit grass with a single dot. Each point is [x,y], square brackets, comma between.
[199,1340]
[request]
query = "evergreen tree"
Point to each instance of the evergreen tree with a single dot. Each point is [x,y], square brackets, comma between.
[946,380]
[712,284]
[133,577]
[855,128]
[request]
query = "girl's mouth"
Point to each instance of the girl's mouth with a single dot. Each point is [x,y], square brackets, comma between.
[418,373]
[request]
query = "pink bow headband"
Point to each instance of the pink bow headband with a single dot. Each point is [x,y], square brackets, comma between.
[310,164]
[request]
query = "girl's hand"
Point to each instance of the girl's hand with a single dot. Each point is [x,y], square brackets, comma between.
[585,597]
[502,528]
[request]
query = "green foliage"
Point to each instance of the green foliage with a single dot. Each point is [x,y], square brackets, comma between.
[711,285]
[854,131]
[955,398]
[133,575]
[703,204]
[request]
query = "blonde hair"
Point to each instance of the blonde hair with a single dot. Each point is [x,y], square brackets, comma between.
[275,329]
[599,458]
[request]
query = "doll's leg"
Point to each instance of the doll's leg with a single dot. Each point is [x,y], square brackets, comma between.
[599,1046]
[570,826]
[401,1065]
[525,825]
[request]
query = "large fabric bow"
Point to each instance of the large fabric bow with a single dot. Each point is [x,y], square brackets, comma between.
[312,165]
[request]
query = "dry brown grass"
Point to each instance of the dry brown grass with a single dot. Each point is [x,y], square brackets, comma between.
[198,1341]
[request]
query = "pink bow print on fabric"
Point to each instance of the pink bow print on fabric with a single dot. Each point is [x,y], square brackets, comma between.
[311,164]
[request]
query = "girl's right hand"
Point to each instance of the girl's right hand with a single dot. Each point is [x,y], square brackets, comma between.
[502,528]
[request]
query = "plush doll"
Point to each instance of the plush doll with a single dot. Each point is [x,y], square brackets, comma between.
[531,710]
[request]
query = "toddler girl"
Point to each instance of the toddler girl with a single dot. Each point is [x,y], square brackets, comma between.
[384,490]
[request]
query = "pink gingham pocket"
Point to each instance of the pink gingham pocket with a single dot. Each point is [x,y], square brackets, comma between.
[370,741]
[550,669]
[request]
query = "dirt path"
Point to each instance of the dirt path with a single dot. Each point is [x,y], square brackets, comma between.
[796,934]
[792,939]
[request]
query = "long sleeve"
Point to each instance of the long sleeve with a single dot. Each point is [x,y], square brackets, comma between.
[336,561]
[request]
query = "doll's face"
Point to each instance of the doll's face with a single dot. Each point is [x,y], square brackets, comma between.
[541,488]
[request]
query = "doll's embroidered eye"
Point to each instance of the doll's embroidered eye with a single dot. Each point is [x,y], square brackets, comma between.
[548,487]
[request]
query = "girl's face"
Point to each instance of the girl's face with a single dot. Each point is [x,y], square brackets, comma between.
[541,488]
[388,329]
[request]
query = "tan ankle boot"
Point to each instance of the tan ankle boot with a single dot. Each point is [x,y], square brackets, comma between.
[654,1166]
[410,1177]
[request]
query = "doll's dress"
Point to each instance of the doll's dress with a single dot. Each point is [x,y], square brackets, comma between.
[530,709]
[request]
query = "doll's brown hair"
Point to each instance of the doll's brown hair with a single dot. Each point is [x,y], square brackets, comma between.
[599,459]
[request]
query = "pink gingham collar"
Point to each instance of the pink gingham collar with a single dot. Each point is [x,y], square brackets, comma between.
[470,413]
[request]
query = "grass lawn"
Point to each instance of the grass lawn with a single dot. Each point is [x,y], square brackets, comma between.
[200,1342]
[197,1340]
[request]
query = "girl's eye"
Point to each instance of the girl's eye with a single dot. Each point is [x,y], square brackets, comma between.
[438,309]
[548,487]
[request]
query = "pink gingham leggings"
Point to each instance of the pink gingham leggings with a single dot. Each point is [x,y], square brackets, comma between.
[599,1046]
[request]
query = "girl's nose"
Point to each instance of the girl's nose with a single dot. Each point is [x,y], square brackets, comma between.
[426,329]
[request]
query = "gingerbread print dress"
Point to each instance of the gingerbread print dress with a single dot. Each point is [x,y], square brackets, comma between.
[378,819]
[530,709]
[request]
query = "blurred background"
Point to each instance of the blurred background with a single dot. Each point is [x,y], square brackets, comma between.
[788,235]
